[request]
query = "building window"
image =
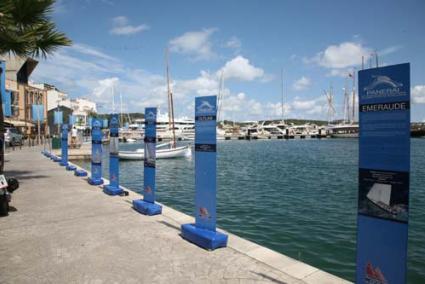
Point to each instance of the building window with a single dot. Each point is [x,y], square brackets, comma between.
[15,103]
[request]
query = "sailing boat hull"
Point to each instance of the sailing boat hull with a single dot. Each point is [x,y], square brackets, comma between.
[178,152]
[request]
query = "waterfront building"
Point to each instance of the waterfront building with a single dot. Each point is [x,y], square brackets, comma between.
[82,108]
[23,94]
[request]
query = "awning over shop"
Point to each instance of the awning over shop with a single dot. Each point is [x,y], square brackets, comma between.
[18,123]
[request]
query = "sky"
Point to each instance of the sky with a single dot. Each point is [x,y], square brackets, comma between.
[119,49]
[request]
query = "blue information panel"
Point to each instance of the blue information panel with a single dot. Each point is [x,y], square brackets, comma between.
[147,205]
[384,166]
[7,111]
[114,161]
[7,103]
[205,162]
[71,119]
[149,185]
[37,113]
[58,117]
[64,145]
[96,153]
[203,233]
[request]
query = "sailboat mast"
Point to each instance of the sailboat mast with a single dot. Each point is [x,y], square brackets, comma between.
[170,105]
[345,102]
[168,89]
[113,98]
[121,120]
[283,96]
[354,96]
[220,96]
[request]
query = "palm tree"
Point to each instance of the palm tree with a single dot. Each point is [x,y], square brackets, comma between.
[27,30]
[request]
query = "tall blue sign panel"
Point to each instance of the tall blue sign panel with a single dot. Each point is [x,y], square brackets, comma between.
[203,232]
[64,146]
[58,117]
[71,119]
[7,103]
[96,153]
[113,188]
[37,113]
[384,166]
[148,206]
[5,95]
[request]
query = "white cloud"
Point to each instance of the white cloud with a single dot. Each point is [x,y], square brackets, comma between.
[240,68]
[346,54]
[85,71]
[233,42]
[89,50]
[195,43]
[389,50]
[301,84]
[418,94]
[314,106]
[104,87]
[121,26]
[340,72]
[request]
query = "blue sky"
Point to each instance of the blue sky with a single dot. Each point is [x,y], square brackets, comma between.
[317,43]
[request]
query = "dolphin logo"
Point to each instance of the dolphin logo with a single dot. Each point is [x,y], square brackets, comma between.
[205,107]
[380,80]
[150,115]
[114,120]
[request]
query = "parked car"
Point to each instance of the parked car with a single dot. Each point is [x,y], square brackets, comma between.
[12,136]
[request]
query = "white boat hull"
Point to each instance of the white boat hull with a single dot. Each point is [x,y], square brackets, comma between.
[178,152]
[345,135]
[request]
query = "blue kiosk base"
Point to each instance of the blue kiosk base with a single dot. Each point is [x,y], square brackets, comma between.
[204,238]
[112,190]
[80,173]
[71,168]
[147,208]
[95,181]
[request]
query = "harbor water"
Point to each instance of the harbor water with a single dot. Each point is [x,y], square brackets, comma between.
[298,197]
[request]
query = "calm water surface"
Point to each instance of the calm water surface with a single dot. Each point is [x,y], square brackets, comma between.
[297,197]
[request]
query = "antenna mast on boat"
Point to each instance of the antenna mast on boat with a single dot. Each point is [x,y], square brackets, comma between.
[354,96]
[346,102]
[170,104]
[121,120]
[331,108]
[220,96]
[283,98]
[113,98]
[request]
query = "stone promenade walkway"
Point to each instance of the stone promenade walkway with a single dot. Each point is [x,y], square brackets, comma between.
[63,230]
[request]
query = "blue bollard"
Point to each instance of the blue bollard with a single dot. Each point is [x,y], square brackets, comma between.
[203,232]
[64,146]
[96,153]
[113,188]
[147,205]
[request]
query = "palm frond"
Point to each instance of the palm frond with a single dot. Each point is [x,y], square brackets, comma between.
[26,29]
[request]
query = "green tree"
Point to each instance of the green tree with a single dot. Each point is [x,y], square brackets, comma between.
[26,29]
